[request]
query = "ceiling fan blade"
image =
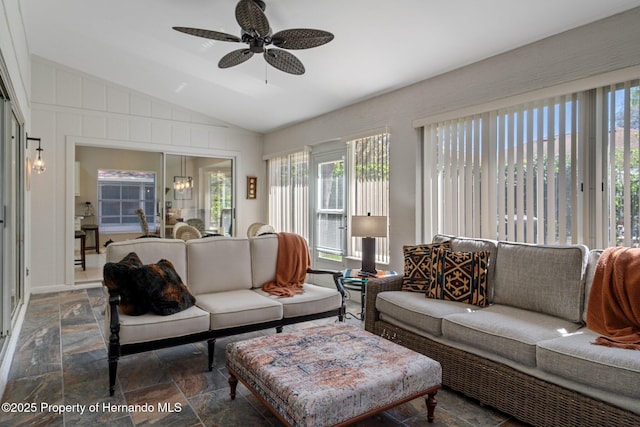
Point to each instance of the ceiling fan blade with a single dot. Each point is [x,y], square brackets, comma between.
[284,61]
[301,38]
[208,34]
[251,18]
[234,58]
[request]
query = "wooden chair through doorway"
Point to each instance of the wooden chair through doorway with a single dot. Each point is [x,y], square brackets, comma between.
[83,240]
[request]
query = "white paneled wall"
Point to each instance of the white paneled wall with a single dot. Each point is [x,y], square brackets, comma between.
[70,107]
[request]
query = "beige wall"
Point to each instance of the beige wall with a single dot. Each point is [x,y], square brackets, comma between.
[601,47]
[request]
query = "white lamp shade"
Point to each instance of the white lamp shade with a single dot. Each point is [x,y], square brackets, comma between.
[369,226]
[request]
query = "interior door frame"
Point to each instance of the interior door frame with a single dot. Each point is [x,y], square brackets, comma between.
[72,141]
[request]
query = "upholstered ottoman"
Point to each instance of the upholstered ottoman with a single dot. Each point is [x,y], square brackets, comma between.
[331,375]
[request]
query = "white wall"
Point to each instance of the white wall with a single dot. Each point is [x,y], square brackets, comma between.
[70,107]
[604,46]
[15,54]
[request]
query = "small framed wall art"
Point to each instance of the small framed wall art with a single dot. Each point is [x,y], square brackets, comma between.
[252,186]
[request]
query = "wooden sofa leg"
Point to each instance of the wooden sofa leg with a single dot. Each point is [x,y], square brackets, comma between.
[113,370]
[278,329]
[114,343]
[211,345]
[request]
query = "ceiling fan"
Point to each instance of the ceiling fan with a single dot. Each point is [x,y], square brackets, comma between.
[256,33]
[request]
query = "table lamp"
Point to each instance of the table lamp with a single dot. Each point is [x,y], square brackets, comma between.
[369,227]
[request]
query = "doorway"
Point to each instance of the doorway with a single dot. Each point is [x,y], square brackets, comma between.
[114,183]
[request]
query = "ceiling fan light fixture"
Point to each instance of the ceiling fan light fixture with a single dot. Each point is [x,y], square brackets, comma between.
[257,34]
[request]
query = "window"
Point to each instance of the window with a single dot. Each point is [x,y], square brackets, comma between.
[121,194]
[362,172]
[557,170]
[289,193]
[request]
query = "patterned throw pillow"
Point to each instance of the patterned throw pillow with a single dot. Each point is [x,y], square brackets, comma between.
[459,276]
[417,266]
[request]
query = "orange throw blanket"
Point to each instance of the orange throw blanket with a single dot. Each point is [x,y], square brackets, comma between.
[614,301]
[291,266]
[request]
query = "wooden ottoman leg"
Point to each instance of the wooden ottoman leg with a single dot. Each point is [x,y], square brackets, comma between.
[431,405]
[233,382]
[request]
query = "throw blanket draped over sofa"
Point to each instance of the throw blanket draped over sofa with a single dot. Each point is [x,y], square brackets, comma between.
[291,266]
[614,304]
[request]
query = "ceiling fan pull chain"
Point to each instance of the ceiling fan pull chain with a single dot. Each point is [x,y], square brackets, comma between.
[266,71]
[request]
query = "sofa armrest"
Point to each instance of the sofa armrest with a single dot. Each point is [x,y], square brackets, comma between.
[337,278]
[374,287]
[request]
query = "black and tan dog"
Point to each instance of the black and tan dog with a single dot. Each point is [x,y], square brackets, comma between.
[143,288]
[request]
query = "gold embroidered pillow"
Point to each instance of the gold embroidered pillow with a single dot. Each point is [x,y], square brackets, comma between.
[459,276]
[417,266]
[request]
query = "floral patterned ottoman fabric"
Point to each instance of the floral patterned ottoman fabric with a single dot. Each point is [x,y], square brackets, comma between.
[325,375]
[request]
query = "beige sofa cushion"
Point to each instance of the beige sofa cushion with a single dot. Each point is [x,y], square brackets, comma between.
[151,327]
[218,264]
[574,357]
[315,299]
[506,331]
[264,255]
[415,310]
[238,308]
[544,279]
[150,251]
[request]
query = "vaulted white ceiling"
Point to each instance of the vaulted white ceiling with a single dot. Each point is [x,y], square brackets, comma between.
[379,46]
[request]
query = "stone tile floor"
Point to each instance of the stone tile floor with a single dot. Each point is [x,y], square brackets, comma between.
[59,377]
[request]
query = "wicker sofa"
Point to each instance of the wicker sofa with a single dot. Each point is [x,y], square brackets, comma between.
[529,353]
[226,276]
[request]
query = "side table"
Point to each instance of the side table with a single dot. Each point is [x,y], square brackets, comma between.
[353,280]
[357,284]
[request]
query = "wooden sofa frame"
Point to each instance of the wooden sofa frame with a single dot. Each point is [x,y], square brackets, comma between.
[494,384]
[116,350]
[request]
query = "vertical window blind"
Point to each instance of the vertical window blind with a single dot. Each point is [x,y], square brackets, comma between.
[617,165]
[558,170]
[370,186]
[289,193]
[506,174]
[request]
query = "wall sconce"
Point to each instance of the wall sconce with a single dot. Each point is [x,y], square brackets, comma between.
[38,165]
[369,227]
